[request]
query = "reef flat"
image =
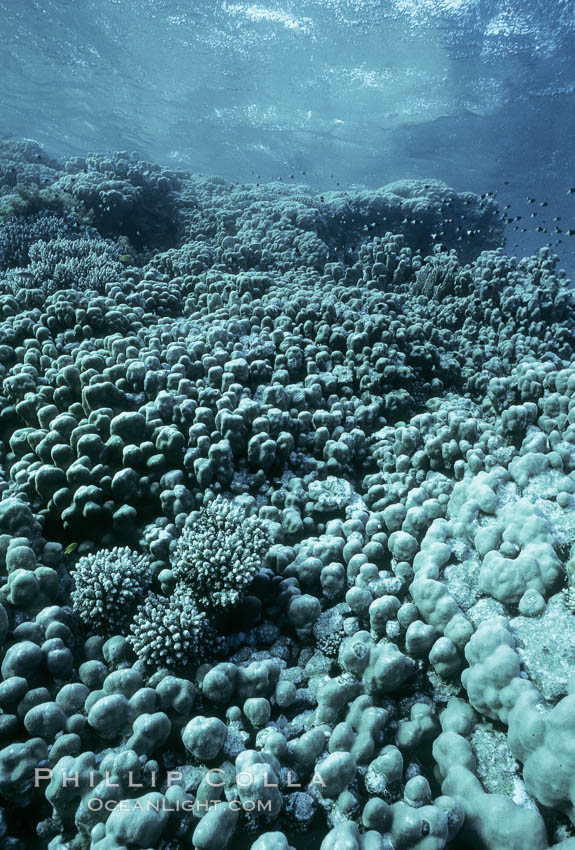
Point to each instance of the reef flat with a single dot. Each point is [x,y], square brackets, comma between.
[287,506]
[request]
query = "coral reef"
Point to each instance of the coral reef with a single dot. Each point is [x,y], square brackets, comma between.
[60,263]
[287,511]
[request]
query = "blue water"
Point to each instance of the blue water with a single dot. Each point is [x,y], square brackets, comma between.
[479,93]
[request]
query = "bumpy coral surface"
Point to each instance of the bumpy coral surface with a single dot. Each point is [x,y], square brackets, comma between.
[287,511]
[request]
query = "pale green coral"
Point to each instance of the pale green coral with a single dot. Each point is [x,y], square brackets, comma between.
[219,554]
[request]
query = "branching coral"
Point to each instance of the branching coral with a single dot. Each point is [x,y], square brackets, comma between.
[171,632]
[219,554]
[64,263]
[109,585]
[19,233]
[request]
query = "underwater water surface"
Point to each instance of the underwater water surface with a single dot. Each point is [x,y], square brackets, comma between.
[476,93]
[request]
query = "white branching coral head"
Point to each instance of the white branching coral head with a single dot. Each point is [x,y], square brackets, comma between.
[219,554]
[62,263]
[170,632]
[110,585]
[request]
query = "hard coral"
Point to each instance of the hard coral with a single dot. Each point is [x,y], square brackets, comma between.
[219,554]
[171,632]
[109,585]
